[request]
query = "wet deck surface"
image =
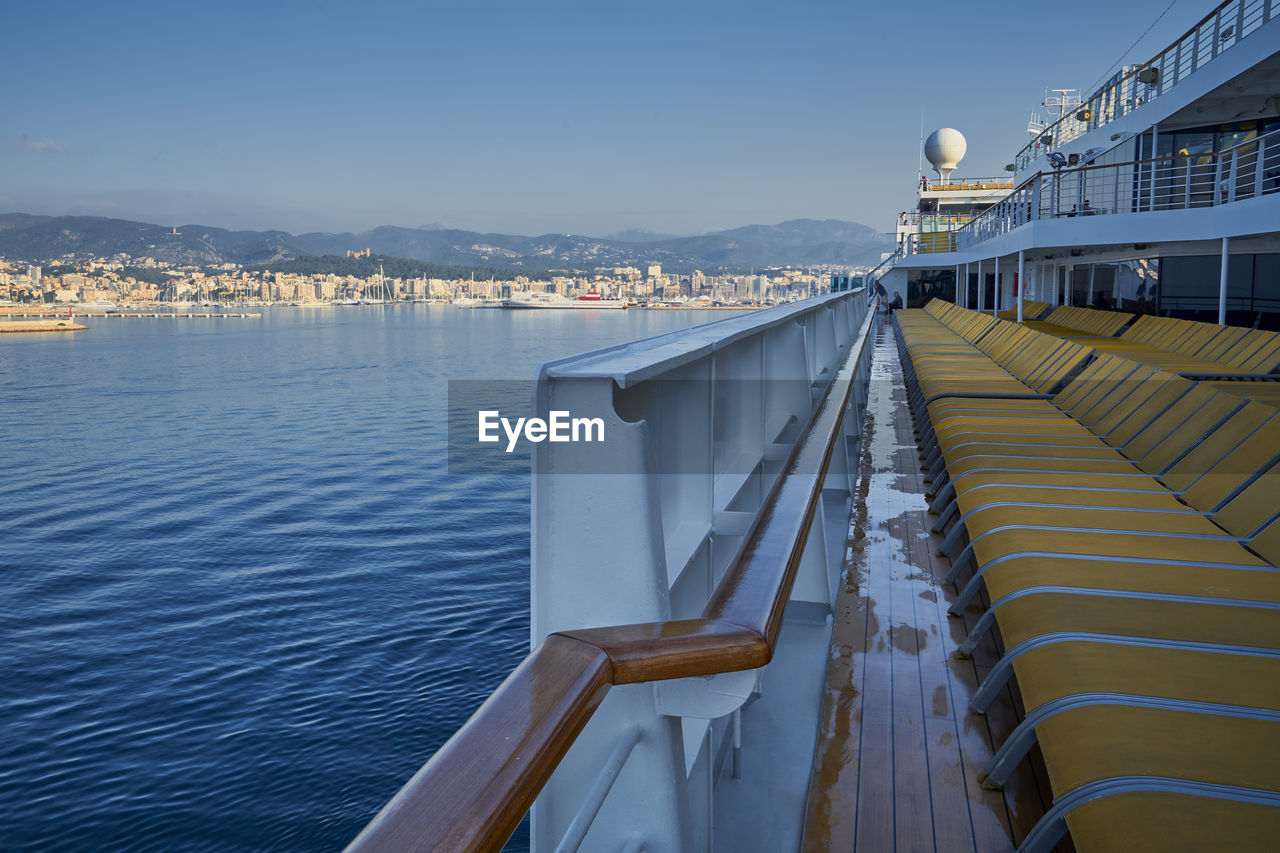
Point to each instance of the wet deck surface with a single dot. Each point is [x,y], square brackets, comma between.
[898,752]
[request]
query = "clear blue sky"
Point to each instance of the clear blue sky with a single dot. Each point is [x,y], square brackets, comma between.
[527,117]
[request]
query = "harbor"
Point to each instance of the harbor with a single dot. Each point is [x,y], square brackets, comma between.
[954,531]
[146,315]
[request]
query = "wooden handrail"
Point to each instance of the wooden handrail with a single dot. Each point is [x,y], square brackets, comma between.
[653,651]
[474,791]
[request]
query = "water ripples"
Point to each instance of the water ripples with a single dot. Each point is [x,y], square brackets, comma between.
[245,597]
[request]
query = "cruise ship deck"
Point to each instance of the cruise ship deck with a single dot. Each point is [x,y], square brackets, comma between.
[1084,387]
[1097,668]
[899,753]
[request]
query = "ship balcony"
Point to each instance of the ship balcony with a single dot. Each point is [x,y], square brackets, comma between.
[929,222]
[1236,178]
[1233,38]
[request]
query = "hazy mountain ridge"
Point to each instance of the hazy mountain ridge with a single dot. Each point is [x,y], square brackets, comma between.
[797,242]
[45,237]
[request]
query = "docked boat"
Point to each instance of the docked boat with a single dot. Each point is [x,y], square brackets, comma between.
[473,302]
[97,306]
[542,301]
[1020,592]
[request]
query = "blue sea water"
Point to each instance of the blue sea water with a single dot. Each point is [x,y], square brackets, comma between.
[244,598]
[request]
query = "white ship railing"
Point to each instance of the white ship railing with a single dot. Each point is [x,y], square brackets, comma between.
[665,563]
[1002,182]
[933,222]
[885,265]
[1173,182]
[1217,32]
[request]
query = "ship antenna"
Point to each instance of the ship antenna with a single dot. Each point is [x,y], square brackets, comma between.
[920,165]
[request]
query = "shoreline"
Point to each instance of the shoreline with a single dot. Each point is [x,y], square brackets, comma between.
[150,312]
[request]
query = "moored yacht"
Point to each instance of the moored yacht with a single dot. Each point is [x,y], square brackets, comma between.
[97,306]
[525,299]
[476,302]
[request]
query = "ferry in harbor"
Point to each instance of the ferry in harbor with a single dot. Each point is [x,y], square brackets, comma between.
[1022,592]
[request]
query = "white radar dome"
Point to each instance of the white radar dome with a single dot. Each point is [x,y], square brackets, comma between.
[945,149]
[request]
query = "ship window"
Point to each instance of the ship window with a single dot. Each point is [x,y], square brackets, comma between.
[923,285]
[1194,144]
[1136,286]
[1080,285]
[1233,135]
[1253,289]
[1104,283]
[1190,279]
[1266,287]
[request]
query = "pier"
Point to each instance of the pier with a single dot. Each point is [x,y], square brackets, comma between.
[42,325]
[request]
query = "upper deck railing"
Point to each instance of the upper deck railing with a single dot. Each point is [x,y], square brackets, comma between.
[1218,31]
[1003,182]
[611,541]
[934,221]
[879,269]
[1172,182]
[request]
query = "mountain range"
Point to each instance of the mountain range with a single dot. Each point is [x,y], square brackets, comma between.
[796,242]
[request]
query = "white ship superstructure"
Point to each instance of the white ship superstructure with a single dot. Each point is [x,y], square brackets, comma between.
[1134,198]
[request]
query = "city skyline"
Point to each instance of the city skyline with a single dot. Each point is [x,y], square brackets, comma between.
[521,119]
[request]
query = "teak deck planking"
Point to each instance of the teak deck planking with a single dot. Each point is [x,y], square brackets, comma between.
[899,753]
